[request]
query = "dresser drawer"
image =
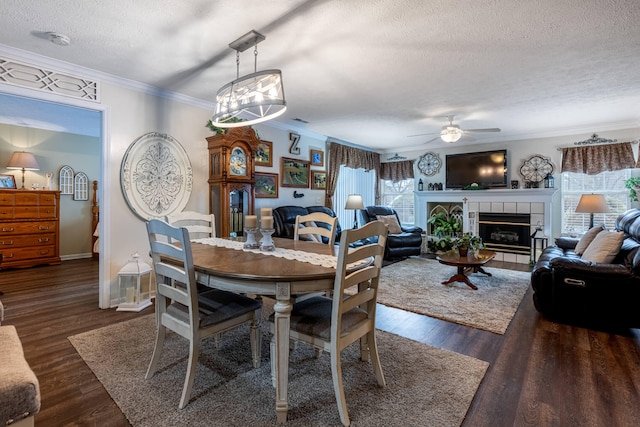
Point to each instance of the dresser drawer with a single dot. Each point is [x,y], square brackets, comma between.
[18,254]
[6,212]
[26,198]
[44,239]
[25,212]
[7,199]
[15,228]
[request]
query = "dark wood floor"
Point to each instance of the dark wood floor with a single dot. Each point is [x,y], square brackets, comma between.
[541,373]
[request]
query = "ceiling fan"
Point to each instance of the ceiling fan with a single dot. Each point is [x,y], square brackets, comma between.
[452,133]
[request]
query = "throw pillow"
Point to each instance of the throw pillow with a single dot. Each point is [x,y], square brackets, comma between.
[605,247]
[392,223]
[587,238]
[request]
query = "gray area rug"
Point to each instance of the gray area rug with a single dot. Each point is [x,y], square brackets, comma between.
[425,385]
[415,284]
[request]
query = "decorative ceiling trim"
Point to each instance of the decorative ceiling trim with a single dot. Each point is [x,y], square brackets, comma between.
[18,73]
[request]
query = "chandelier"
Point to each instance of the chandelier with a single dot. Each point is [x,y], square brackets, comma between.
[254,98]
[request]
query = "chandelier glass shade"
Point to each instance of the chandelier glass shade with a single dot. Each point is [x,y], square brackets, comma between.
[253,98]
[450,133]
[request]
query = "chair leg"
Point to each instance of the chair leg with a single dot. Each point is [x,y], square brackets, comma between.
[336,373]
[272,358]
[256,342]
[194,352]
[157,350]
[375,359]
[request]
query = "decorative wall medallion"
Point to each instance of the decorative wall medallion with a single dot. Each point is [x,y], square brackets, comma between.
[156,176]
[429,164]
[536,168]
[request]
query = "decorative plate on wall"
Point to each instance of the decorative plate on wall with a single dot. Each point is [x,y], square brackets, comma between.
[429,163]
[536,168]
[156,176]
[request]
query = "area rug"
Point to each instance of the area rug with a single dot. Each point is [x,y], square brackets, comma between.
[415,284]
[425,385]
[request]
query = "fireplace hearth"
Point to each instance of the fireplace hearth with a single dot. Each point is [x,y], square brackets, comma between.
[505,232]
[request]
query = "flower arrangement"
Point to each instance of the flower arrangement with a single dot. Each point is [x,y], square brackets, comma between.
[467,241]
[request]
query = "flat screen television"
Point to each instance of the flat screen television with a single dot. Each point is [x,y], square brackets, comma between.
[488,169]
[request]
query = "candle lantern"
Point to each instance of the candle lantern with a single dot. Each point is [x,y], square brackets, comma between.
[548,181]
[134,283]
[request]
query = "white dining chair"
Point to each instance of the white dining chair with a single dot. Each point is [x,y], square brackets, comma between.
[308,226]
[199,225]
[332,324]
[191,314]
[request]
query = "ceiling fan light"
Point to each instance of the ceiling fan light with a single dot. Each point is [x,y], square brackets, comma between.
[450,133]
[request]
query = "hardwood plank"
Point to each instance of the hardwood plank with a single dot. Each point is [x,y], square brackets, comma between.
[541,372]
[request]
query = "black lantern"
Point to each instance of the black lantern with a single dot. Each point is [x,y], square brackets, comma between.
[548,181]
[420,185]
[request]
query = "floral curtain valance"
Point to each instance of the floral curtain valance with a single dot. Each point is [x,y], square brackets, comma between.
[397,171]
[595,159]
[352,157]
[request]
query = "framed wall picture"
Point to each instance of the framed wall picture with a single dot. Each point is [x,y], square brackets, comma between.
[294,172]
[318,180]
[264,154]
[317,157]
[266,185]
[7,181]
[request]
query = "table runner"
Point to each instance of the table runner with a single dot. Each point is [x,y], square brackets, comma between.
[309,257]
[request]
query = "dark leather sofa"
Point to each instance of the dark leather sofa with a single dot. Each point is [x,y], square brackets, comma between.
[284,219]
[399,245]
[570,289]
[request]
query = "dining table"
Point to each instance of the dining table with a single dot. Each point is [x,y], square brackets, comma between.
[279,274]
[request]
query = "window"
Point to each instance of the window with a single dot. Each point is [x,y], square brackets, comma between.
[399,196]
[353,181]
[609,183]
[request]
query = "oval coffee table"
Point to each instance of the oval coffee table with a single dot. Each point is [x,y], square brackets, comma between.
[472,262]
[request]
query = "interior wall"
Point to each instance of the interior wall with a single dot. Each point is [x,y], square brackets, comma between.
[53,150]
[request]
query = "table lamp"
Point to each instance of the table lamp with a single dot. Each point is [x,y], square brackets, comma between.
[23,160]
[354,202]
[592,203]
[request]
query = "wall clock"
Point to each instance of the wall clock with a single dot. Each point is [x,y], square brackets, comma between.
[429,164]
[156,176]
[536,168]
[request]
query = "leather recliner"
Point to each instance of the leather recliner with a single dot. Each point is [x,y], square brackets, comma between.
[399,245]
[284,219]
[568,288]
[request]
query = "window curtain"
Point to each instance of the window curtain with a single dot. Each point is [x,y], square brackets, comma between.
[397,171]
[595,159]
[351,157]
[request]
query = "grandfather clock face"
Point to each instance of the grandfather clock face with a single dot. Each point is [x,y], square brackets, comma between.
[238,162]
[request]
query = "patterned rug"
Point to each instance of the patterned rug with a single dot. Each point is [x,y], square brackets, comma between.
[425,385]
[415,284]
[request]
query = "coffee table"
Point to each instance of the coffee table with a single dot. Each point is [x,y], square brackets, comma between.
[472,262]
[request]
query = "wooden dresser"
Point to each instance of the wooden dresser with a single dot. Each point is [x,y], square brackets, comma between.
[29,227]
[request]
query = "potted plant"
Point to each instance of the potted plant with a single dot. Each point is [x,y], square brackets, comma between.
[633,184]
[444,228]
[467,241]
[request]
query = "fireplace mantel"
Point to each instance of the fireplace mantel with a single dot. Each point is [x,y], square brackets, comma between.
[537,201]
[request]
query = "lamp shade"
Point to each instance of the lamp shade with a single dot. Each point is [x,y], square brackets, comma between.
[592,203]
[354,201]
[23,160]
[256,97]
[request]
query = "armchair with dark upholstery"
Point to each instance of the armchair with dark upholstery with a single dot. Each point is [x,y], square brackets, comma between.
[406,242]
[284,220]
[567,287]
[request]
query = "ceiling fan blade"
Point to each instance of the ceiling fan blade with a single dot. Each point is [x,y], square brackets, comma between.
[422,134]
[432,139]
[483,130]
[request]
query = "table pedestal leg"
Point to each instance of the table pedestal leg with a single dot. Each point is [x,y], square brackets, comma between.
[282,320]
[461,277]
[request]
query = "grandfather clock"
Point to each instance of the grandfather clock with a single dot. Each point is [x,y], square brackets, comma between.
[231,178]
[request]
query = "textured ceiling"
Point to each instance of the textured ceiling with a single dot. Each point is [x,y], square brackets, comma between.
[371,72]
